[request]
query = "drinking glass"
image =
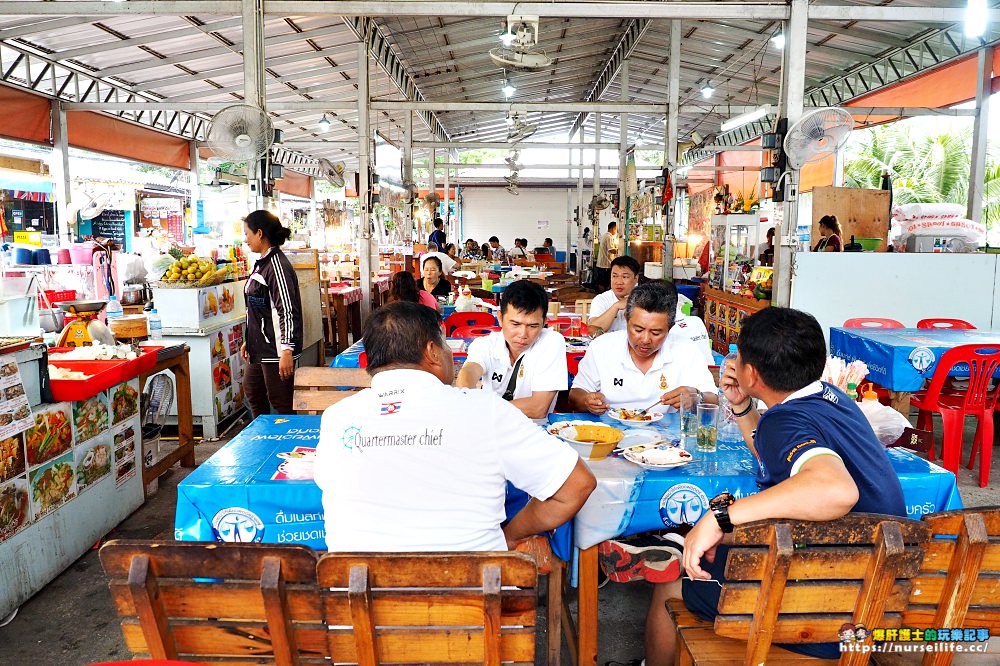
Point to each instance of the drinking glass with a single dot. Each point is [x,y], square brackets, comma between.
[688,412]
[708,424]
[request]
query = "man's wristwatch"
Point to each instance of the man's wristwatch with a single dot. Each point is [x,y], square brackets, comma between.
[720,507]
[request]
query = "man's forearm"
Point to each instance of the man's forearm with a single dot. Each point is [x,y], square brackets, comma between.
[536,405]
[469,376]
[537,517]
[604,320]
[577,399]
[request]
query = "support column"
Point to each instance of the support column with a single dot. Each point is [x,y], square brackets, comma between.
[622,147]
[793,89]
[194,162]
[980,132]
[581,212]
[408,181]
[597,154]
[60,172]
[447,193]
[364,188]
[432,182]
[252,13]
[670,147]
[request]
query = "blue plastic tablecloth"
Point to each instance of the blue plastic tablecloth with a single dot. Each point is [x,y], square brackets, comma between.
[629,499]
[235,495]
[902,358]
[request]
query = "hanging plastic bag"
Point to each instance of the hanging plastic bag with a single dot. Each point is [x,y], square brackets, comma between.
[887,423]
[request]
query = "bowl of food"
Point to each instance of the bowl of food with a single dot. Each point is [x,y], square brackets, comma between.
[592,440]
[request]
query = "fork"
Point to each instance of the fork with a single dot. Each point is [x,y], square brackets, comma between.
[643,412]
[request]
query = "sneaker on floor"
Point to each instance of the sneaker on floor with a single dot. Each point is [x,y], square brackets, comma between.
[651,557]
[630,662]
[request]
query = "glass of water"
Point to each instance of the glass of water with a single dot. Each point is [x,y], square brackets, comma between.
[708,426]
[688,412]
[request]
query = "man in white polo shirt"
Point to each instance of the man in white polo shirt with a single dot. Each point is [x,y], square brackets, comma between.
[641,365]
[607,311]
[414,464]
[537,353]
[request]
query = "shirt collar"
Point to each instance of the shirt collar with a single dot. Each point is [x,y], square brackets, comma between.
[404,378]
[811,389]
[661,359]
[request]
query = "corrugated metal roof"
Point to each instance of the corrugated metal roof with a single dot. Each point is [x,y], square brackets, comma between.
[314,58]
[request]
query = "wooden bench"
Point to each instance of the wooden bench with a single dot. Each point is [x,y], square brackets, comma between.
[959,581]
[315,389]
[799,582]
[267,604]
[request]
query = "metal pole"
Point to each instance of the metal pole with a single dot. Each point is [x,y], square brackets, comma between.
[579,215]
[980,132]
[623,229]
[408,181]
[193,170]
[670,147]
[447,205]
[252,14]
[793,88]
[364,188]
[60,171]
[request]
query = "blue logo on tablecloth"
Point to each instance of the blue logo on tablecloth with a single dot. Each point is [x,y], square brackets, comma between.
[236,525]
[921,359]
[682,504]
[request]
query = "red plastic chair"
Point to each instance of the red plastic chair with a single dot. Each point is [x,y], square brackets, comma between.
[473,331]
[457,319]
[978,400]
[872,322]
[573,362]
[945,324]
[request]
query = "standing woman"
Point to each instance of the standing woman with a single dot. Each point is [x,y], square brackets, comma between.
[830,235]
[274,318]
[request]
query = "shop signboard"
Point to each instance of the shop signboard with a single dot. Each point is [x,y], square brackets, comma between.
[113,224]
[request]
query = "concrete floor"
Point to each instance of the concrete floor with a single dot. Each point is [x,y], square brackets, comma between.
[72,622]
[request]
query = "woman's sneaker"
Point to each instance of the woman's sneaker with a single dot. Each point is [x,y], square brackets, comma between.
[652,557]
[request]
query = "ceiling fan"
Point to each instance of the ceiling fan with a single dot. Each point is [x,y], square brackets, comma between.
[520,46]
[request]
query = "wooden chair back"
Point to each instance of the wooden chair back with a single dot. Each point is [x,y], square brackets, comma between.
[959,580]
[196,601]
[315,389]
[800,582]
[430,607]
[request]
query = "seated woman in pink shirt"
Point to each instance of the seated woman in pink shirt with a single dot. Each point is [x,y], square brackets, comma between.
[404,288]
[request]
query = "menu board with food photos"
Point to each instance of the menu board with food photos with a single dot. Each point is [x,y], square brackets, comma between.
[15,412]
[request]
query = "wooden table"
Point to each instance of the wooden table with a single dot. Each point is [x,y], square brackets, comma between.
[179,366]
[344,297]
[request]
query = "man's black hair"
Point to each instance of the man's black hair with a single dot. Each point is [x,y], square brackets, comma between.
[397,334]
[657,296]
[494,239]
[627,262]
[525,296]
[612,225]
[549,241]
[438,223]
[786,347]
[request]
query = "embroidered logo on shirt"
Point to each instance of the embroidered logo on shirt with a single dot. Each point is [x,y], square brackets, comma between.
[520,372]
[663,383]
[830,396]
[497,377]
[619,382]
[390,408]
[795,448]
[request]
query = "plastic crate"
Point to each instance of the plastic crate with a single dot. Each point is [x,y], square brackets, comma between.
[103,375]
[57,296]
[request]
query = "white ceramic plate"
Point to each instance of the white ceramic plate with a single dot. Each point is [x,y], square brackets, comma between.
[634,456]
[616,414]
[640,437]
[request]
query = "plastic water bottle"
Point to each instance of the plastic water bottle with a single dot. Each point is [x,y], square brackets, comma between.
[155,325]
[114,309]
[728,428]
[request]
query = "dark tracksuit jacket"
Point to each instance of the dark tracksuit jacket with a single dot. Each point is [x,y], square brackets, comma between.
[274,309]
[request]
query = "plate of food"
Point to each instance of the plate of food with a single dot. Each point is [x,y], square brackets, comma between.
[657,457]
[592,439]
[633,415]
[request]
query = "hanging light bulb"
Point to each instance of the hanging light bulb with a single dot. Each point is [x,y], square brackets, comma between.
[707,91]
[324,124]
[508,38]
[508,89]
[778,40]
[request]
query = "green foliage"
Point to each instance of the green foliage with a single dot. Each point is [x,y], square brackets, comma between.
[924,168]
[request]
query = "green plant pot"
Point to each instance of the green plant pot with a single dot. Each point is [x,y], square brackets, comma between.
[869,244]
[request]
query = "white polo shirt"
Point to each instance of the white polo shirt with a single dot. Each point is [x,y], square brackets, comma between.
[413,465]
[694,330]
[608,368]
[601,304]
[543,367]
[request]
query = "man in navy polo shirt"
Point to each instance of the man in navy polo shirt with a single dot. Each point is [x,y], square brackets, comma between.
[818,460]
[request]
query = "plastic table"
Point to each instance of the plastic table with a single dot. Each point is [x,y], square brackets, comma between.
[902,358]
[242,492]
[629,499]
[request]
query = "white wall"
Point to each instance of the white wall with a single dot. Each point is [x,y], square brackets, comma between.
[836,286]
[492,211]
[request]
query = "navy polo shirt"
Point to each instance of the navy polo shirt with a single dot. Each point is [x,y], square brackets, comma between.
[821,420]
